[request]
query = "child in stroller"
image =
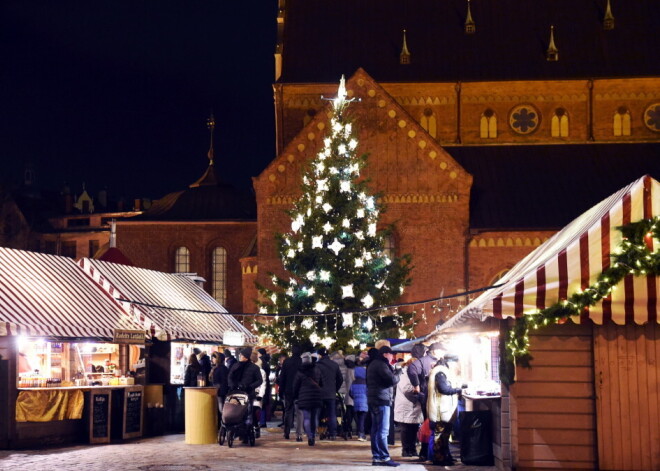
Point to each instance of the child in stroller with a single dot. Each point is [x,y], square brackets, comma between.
[341,418]
[235,423]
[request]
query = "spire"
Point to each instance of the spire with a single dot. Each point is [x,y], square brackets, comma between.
[210,123]
[404,57]
[608,20]
[470,26]
[552,54]
[209,177]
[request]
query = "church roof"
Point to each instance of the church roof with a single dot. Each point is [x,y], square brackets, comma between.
[323,39]
[544,187]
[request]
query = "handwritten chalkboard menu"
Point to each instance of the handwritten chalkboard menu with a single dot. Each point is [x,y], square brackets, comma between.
[99,416]
[133,412]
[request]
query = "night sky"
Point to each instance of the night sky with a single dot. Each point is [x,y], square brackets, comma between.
[116,93]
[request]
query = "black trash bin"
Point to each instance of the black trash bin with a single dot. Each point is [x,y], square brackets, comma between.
[476,438]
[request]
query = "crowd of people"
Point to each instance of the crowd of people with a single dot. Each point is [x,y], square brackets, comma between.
[372,391]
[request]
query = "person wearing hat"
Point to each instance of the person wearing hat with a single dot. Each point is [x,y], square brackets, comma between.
[230,359]
[204,362]
[332,381]
[441,405]
[285,381]
[307,392]
[382,377]
[265,366]
[245,376]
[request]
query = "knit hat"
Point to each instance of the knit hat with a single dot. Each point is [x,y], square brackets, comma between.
[322,351]
[247,352]
[262,351]
[306,358]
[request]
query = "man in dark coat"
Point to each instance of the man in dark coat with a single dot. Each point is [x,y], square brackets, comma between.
[285,380]
[204,362]
[332,380]
[245,376]
[265,365]
[219,378]
[381,379]
[418,372]
[230,360]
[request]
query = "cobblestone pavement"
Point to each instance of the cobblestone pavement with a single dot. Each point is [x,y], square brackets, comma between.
[170,453]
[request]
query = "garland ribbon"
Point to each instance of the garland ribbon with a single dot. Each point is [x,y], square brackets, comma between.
[635,256]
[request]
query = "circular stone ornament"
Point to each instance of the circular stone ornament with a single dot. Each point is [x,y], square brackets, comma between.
[524,119]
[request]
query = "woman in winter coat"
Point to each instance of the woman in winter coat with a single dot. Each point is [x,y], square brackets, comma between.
[219,377]
[407,412]
[349,361]
[192,370]
[259,393]
[307,393]
[358,393]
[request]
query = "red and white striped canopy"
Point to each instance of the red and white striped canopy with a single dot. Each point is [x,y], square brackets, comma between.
[572,260]
[50,296]
[171,306]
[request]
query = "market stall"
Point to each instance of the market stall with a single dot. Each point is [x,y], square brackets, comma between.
[57,334]
[179,315]
[581,306]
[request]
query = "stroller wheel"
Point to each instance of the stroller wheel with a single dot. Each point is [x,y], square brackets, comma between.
[222,435]
[251,437]
[230,439]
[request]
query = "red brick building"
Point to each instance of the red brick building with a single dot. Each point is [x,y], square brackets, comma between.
[485,135]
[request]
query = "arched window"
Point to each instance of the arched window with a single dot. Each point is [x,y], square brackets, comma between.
[429,122]
[219,267]
[559,123]
[488,125]
[388,247]
[182,260]
[621,124]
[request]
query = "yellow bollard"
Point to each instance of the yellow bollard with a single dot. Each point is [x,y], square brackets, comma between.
[201,416]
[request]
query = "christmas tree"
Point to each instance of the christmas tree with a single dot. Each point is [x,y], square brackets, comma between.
[339,273]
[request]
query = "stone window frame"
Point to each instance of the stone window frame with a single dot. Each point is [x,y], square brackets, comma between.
[622,122]
[182,259]
[219,274]
[488,124]
[560,123]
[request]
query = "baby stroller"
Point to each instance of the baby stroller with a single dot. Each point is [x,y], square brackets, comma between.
[341,415]
[234,420]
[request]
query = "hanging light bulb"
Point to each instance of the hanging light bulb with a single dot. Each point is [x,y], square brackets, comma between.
[291,253]
[368,324]
[322,185]
[367,301]
[359,262]
[341,149]
[327,227]
[324,275]
[353,343]
[346,223]
[345,186]
[352,143]
[311,275]
[372,230]
[317,242]
[336,246]
[360,213]
[326,207]
[320,306]
[314,338]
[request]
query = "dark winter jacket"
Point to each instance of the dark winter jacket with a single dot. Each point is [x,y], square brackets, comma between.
[220,379]
[288,374]
[230,361]
[418,371]
[190,376]
[307,387]
[358,390]
[265,365]
[246,376]
[205,364]
[332,378]
[381,379]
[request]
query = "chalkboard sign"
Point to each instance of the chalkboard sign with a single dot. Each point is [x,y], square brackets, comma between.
[133,412]
[99,416]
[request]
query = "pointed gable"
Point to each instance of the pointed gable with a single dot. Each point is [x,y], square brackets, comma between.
[405,163]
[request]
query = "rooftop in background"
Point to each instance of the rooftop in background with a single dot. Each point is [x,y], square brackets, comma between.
[323,39]
[544,187]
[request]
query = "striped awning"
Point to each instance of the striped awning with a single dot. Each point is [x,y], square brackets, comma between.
[572,260]
[170,306]
[50,296]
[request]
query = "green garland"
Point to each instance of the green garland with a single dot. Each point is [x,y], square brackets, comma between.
[632,257]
